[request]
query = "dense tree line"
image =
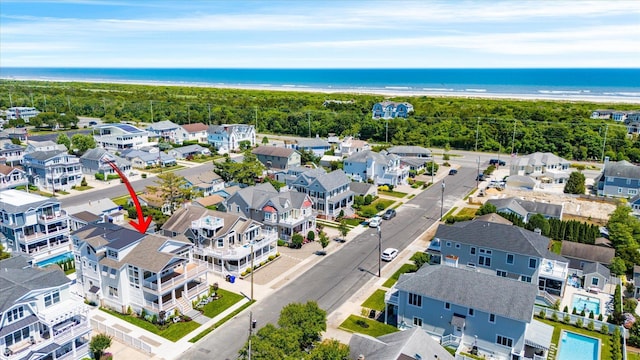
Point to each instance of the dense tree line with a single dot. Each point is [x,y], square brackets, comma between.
[502,125]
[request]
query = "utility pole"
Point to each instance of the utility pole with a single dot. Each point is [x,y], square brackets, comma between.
[151,106]
[442,201]
[387,135]
[252,326]
[309,119]
[478,176]
[379,251]
[255,108]
[513,140]
[477,129]
[604,142]
[209,106]
[252,256]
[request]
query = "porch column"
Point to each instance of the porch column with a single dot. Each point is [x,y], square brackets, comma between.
[158,279]
[159,302]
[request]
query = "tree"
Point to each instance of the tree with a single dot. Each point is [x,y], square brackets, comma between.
[329,350]
[271,342]
[296,241]
[173,190]
[311,235]
[308,156]
[430,167]
[308,318]
[538,221]
[64,140]
[419,259]
[4,254]
[245,172]
[617,266]
[575,184]
[486,208]
[323,239]
[99,343]
[81,143]
[265,140]
[343,228]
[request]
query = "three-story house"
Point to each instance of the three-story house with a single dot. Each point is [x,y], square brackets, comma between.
[53,170]
[329,192]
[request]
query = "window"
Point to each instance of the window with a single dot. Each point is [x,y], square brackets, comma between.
[220,243]
[134,277]
[484,261]
[417,321]
[524,278]
[619,190]
[105,270]
[532,263]
[503,340]
[415,300]
[52,298]
[471,312]
[113,273]
[510,259]
[470,264]
[473,251]
[633,192]
[448,243]
[594,281]
[457,246]
[17,336]
[113,292]
[15,314]
[501,273]
[447,306]
[112,254]
[492,318]
[485,251]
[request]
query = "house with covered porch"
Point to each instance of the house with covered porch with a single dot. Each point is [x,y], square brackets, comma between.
[329,192]
[502,250]
[34,225]
[224,241]
[120,268]
[471,311]
[287,213]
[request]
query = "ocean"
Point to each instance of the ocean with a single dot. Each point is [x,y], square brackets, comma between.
[584,84]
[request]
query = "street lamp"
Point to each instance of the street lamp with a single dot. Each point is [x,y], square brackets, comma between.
[478,176]
[379,251]
[442,200]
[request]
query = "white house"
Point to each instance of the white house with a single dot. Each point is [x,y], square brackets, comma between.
[119,137]
[379,168]
[227,137]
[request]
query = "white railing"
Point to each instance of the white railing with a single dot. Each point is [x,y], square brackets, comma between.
[450,340]
[72,332]
[63,311]
[122,336]
[391,297]
[547,297]
[79,351]
[200,288]
[39,235]
[53,217]
[177,280]
[154,306]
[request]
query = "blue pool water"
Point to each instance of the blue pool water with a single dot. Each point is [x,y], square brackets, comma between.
[56,259]
[575,346]
[586,303]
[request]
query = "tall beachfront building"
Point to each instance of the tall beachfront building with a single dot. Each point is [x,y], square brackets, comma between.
[35,226]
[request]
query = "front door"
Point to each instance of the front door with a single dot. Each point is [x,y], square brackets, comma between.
[457,331]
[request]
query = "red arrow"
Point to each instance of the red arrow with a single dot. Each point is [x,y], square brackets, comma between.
[143,224]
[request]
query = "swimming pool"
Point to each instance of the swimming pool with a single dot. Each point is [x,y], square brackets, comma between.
[56,259]
[576,346]
[586,303]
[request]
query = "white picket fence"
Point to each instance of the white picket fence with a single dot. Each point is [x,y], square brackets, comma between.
[121,335]
[573,319]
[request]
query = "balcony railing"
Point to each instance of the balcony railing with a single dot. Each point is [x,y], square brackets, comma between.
[239,251]
[39,235]
[156,307]
[180,279]
[48,218]
[391,297]
[80,350]
[46,249]
[65,310]
[18,350]
[554,269]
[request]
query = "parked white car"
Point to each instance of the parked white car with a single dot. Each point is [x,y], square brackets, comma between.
[389,254]
[375,221]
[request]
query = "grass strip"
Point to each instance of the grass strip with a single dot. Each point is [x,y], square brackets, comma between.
[219,323]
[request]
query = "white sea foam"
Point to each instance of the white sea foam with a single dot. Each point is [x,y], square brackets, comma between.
[437,89]
[397,87]
[476,90]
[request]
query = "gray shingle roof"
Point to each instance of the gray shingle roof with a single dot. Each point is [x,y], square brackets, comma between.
[146,255]
[17,281]
[540,158]
[596,268]
[163,125]
[477,290]
[408,149]
[622,169]
[600,254]
[413,161]
[524,207]
[360,188]
[276,151]
[43,155]
[332,180]
[502,237]
[189,149]
[207,177]
[312,142]
[411,342]
[117,237]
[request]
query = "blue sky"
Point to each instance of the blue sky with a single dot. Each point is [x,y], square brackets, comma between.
[320,34]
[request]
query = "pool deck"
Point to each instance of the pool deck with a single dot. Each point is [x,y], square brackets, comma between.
[567,299]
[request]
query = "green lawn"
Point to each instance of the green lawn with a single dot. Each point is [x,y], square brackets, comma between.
[371,208]
[165,169]
[173,332]
[397,194]
[403,269]
[122,200]
[204,159]
[375,301]
[353,221]
[467,211]
[375,328]
[226,300]
[219,323]
[632,355]
[605,340]
[83,188]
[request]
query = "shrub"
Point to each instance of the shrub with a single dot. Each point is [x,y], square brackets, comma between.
[362,323]
[542,314]
[296,241]
[144,175]
[575,311]
[579,323]
[379,206]
[591,316]
[271,257]
[311,235]
[583,313]
[566,319]
[591,326]
[566,309]
[554,316]
[368,199]
[600,317]
[99,176]
[83,182]
[383,188]
[604,329]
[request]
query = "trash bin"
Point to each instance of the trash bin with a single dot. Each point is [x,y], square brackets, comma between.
[232,279]
[227,278]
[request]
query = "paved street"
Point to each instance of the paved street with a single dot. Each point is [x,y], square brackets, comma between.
[334,279]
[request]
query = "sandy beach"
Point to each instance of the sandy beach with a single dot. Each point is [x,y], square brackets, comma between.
[566,96]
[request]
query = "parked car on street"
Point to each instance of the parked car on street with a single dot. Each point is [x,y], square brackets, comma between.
[389,254]
[480,177]
[497,162]
[453,172]
[389,214]
[375,221]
